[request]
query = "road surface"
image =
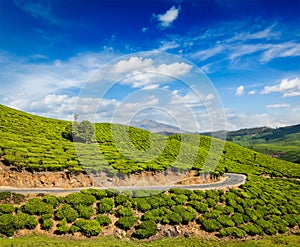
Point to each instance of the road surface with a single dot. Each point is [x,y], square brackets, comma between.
[230,180]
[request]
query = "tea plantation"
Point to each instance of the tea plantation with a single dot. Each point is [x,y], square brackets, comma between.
[37,144]
[268,204]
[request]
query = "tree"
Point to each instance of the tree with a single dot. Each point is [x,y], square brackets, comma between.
[79,132]
[86,131]
[75,117]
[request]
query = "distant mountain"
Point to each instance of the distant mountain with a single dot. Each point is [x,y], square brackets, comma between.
[157,127]
[283,142]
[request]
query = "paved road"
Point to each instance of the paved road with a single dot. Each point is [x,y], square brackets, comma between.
[231,180]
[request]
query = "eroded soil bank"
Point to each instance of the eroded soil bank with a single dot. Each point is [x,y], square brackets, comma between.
[9,176]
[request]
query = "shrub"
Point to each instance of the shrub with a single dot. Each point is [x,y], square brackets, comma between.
[213,194]
[180,199]
[271,230]
[237,219]
[263,224]
[99,194]
[172,218]
[74,229]
[77,198]
[6,208]
[179,191]
[46,216]
[211,202]
[52,200]
[213,214]
[226,232]
[200,193]
[37,206]
[211,225]
[103,220]
[47,224]
[85,212]
[228,210]
[291,220]
[25,221]
[88,227]
[167,200]
[226,221]
[252,229]
[7,224]
[121,199]
[156,201]
[146,229]
[124,211]
[4,195]
[105,205]
[142,204]
[239,233]
[187,214]
[66,212]
[239,209]
[153,215]
[126,223]
[62,227]
[201,207]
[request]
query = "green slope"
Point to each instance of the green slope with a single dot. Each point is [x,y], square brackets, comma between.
[262,206]
[36,143]
[283,143]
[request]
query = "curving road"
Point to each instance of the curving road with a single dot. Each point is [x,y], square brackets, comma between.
[230,180]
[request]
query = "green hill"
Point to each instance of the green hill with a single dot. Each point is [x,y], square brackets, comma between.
[264,205]
[283,143]
[36,144]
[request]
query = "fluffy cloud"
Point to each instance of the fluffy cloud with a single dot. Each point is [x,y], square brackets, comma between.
[240,91]
[134,63]
[168,17]
[139,72]
[191,99]
[289,88]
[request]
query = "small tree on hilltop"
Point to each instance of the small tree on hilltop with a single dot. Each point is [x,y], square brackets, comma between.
[80,132]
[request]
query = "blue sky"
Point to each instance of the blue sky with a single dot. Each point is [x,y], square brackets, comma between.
[249,50]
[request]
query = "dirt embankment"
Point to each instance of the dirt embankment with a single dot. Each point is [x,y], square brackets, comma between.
[65,179]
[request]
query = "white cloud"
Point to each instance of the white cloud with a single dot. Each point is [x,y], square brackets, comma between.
[134,63]
[169,45]
[287,49]
[205,54]
[253,92]
[191,99]
[238,120]
[266,33]
[139,72]
[283,105]
[240,91]
[289,88]
[169,17]
[151,87]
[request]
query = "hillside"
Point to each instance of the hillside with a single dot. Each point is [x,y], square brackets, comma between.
[267,204]
[36,144]
[281,142]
